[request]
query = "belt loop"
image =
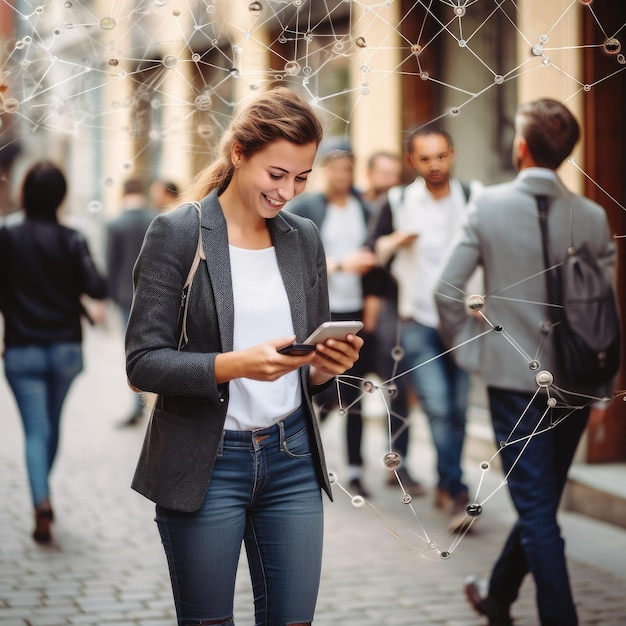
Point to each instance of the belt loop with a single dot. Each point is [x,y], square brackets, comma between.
[281,435]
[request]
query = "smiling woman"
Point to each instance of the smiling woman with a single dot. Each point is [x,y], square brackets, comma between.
[233,452]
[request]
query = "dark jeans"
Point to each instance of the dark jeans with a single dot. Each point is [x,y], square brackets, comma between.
[536,468]
[376,357]
[264,491]
[442,388]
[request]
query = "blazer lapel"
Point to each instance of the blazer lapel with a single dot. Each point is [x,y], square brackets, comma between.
[215,243]
[287,245]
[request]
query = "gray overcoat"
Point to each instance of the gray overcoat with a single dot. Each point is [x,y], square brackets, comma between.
[502,234]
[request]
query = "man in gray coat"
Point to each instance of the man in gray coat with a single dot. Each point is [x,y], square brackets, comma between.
[125,235]
[537,420]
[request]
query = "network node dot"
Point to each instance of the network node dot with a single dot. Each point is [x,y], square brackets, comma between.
[432,545]
[498,328]
[306,70]
[342,412]
[107,23]
[498,79]
[459,11]
[114,62]
[484,466]
[416,48]
[543,38]
[475,302]
[503,444]
[292,68]
[445,555]
[392,461]
[360,42]
[534,365]
[551,402]
[397,353]
[67,5]
[455,111]
[368,386]
[358,501]
[255,7]
[406,499]
[544,378]
[170,61]
[621,59]
[537,50]
[203,102]
[587,87]
[462,43]
[95,206]
[11,105]
[424,75]
[195,57]
[332,478]
[474,509]
[365,91]
[612,45]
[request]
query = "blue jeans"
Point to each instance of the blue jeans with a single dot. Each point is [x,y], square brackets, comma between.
[535,483]
[442,388]
[264,491]
[40,377]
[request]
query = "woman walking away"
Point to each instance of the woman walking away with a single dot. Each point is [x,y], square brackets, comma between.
[233,454]
[44,269]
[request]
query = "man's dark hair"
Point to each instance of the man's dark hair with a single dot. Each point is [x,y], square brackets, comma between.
[43,190]
[550,130]
[424,131]
[133,186]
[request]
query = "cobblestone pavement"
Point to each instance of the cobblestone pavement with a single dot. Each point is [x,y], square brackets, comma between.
[106,566]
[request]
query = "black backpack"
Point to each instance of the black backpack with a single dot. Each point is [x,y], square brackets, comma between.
[587,325]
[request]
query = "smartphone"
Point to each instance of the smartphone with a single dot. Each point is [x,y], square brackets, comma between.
[327,330]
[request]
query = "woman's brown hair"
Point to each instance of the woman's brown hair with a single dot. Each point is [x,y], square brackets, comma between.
[279,113]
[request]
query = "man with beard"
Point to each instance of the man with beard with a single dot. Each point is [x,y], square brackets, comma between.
[414,234]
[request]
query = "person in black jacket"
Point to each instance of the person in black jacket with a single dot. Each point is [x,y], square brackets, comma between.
[44,269]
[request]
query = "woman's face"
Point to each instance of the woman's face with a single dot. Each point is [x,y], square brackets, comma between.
[271,177]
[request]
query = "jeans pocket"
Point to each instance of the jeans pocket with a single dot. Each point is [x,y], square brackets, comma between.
[298,445]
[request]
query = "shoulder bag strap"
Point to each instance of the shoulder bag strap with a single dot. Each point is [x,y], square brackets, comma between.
[182,340]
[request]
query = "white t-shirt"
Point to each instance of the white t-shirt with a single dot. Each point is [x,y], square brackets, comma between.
[417,267]
[261,313]
[344,231]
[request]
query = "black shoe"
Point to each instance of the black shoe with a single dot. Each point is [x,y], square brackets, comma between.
[357,489]
[498,614]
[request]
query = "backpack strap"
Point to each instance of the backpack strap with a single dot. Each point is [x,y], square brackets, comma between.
[552,277]
[467,190]
[184,303]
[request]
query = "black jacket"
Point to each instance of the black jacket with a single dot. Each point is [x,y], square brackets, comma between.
[44,269]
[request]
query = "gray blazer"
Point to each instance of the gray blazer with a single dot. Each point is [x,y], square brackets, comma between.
[125,235]
[182,440]
[502,234]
